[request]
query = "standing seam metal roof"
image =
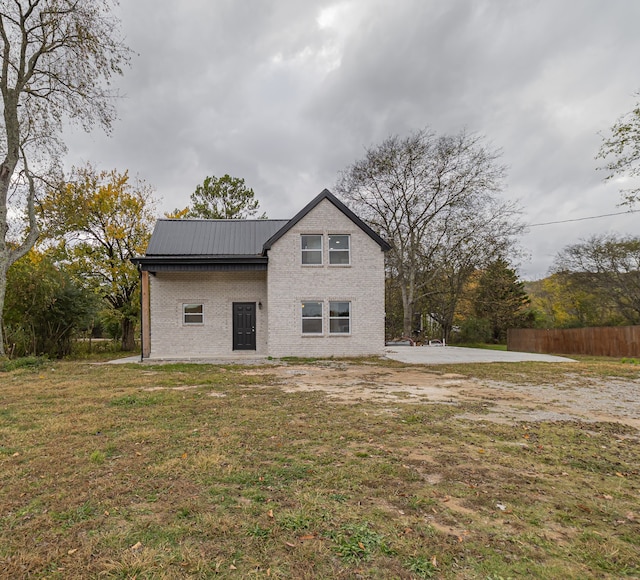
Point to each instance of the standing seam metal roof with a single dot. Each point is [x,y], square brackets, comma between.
[228,240]
[180,237]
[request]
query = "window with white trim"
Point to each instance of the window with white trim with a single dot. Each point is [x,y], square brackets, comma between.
[193,314]
[339,249]
[339,317]
[311,249]
[311,317]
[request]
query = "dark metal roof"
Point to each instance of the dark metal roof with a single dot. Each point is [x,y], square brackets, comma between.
[219,238]
[221,245]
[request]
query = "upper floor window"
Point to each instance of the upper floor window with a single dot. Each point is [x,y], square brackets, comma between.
[339,249]
[193,313]
[311,249]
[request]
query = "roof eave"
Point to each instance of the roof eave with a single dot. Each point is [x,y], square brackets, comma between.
[176,259]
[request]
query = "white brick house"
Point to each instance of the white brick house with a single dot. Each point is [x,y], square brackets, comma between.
[309,286]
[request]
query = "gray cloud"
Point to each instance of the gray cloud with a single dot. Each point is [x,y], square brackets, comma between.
[286,94]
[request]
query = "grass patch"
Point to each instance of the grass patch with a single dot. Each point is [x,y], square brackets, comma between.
[27,362]
[355,542]
[297,360]
[128,470]
[539,373]
[422,566]
[135,400]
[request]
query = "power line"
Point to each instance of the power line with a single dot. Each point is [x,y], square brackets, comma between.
[593,217]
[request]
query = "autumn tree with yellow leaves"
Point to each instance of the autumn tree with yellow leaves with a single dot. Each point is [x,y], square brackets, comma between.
[98,221]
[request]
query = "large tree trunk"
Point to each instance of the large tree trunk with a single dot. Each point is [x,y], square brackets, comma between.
[7,169]
[407,310]
[9,255]
[407,280]
[446,331]
[128,334]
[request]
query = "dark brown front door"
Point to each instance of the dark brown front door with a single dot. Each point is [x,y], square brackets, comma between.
[244,326]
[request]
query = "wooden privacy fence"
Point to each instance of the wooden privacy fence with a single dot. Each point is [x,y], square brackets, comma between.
[617,341]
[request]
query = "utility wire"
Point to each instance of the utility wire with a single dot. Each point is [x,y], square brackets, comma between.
[593,217]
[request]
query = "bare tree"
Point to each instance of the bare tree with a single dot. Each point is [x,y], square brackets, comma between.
[422,193]
[484,231]
[57,58]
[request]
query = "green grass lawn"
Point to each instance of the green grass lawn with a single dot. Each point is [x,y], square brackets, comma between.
[198,471]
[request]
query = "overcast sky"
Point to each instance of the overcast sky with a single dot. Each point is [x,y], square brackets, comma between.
[286,93]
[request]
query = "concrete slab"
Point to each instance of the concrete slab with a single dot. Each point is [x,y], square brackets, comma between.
[125,360]
[437,355]
[423,355]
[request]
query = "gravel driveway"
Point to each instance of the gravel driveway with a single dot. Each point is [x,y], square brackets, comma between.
[572,398]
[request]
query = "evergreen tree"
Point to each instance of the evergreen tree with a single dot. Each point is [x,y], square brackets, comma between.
[501,299]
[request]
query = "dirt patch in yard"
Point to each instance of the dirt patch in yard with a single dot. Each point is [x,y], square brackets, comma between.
[616,400]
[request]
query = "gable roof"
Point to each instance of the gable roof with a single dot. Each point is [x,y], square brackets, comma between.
[224,245]
[326,194]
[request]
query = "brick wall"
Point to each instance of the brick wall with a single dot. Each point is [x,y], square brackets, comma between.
[171,339]
[361,283]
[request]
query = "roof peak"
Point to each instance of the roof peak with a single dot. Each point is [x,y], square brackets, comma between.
[326,194]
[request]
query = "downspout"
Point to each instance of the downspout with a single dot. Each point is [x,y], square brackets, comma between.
[141,316]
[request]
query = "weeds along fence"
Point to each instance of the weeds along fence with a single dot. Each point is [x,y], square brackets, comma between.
[617,341]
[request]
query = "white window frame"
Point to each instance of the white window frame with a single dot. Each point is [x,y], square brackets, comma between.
[187,305]
[304,250]
[320,318]
[332,318]
[334,251]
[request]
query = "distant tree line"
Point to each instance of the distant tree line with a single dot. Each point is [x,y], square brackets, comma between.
[595,282]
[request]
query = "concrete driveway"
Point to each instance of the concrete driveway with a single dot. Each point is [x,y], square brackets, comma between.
[438,355]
